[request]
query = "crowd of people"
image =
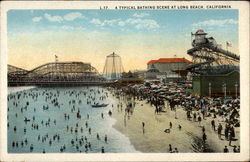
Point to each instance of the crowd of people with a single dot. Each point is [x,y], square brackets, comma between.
[27,121]
[223,112]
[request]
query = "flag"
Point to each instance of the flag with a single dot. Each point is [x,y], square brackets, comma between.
[56,58]
[229,44]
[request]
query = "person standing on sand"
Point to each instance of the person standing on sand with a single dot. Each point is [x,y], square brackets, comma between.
[214,115]
[187,114]
[203,112]
[203,129]
[230,137]
[170,148]
[170,125]
[213,124]
[179,127]
[194,117]
[219,130]
[199,120]
[226,131]
[234,149]
[226,149]
[232,131]
[143,125]
[175,113]
[156,111]
[204,137]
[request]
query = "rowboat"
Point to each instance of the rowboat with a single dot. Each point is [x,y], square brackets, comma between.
[99,105]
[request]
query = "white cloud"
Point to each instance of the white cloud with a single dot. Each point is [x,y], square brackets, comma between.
[68,17]
[215,22]
[111,22]
[135,22]
[37,19]
[53,18]
[72,16]
[67,28]
[140,15]
[95,21]
[143,23]
[121,23]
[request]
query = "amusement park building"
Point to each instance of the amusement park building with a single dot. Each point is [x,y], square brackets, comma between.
[217,85]
[166,66]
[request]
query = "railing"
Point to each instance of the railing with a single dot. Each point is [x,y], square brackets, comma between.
[14,81]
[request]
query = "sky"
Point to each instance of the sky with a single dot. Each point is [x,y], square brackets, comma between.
[137,36]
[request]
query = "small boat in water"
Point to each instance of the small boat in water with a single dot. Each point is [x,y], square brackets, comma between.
[99,105]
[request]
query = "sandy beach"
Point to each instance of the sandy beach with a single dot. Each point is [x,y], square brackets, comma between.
[155,140]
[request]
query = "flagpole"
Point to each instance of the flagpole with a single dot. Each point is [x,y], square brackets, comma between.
[191,37]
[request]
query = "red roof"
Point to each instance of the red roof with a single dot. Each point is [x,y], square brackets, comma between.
[169,60]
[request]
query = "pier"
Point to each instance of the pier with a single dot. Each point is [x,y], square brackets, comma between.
[58,83]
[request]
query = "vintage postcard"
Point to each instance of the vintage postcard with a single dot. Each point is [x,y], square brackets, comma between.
[124,81]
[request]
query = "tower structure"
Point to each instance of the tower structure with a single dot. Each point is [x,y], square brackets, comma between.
[113,67]
[209,58]
[214,71]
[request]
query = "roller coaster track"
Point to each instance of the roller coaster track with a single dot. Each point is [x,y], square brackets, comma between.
[191,52]
[209,58]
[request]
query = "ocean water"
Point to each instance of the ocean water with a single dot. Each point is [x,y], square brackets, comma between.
[46,105]
[18,89]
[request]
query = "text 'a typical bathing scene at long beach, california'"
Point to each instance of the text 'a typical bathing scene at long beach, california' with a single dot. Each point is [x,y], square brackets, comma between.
[123,81]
